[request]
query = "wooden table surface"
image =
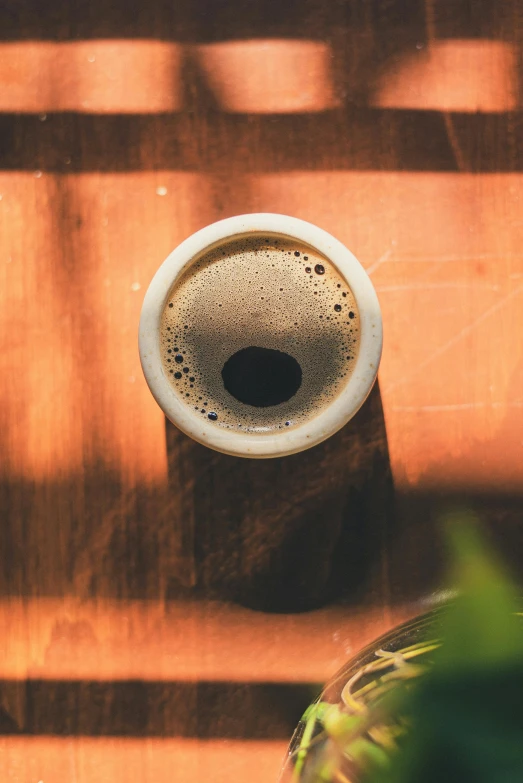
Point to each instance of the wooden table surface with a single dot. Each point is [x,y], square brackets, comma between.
[124,127]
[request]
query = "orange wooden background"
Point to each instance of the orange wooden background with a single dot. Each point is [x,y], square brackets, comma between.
[126,126]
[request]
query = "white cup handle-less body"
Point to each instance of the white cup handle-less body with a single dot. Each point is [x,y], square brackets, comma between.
[332,416]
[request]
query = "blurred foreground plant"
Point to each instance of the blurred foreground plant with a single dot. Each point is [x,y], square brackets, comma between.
[446,710]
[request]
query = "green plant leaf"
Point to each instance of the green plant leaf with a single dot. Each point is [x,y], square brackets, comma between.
[464,715]
[480,626]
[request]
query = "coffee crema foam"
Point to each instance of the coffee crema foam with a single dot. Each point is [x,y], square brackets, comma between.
[259,291]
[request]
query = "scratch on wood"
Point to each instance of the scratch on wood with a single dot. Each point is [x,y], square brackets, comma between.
[381,260]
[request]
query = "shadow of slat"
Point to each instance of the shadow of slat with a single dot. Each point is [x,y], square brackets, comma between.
[203,20]
[359,140]
[157,709]
[212,20]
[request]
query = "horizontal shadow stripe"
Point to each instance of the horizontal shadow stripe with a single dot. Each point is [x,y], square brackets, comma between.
[153,709]
[212,20]
[190,20]
[351,139]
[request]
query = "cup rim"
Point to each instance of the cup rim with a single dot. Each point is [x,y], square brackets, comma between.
[302,436]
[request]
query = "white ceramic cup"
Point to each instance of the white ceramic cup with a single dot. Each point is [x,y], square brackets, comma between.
[330,418]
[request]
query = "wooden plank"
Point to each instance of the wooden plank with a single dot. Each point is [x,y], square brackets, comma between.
[90,76]
[87,760]
[179,641]
[445,263]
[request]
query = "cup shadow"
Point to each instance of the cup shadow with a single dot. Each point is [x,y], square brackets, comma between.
[286,534]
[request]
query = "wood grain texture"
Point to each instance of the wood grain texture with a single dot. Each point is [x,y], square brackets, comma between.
[125,127]
[150,760]
[112,640]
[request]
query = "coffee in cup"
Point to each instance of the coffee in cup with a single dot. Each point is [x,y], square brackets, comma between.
[260,335]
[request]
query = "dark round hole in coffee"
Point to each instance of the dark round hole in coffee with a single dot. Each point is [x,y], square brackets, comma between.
[261,376]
